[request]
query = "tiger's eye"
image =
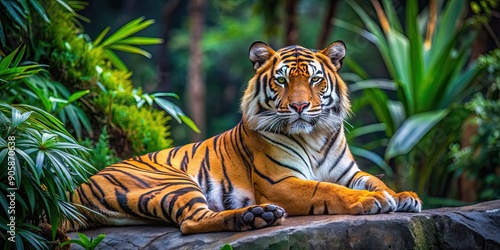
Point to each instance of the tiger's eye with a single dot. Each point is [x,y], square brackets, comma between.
[315,79]
[281,80]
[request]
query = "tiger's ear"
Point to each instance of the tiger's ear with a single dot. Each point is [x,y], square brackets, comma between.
[336,53]
[259,53]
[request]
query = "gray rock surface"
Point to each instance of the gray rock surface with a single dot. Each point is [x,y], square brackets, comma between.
[470,227]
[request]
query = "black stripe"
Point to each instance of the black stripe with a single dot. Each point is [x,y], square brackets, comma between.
[185,162]
[311,210]
[349,182]
[111,178]
[189,205]
[271,181]
[122,201]
[137,178]
[315,189]
[339,158]
[285,166]
[327,150]
[286,147]
[195,147]
[345,171]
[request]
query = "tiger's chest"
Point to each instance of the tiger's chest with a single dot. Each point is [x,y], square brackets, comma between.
[310,157]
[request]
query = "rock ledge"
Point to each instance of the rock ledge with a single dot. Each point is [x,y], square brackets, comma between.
[470,227]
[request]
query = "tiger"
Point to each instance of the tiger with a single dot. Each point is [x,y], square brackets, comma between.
[288,156]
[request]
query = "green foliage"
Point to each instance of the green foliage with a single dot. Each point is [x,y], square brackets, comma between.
[226,247]
[142,127]
[101,153]
[430,75]
[75,91]
[16,17]
[11,68]
[121,40]
[22,83]
[481,159]
[85,242]
[44,163]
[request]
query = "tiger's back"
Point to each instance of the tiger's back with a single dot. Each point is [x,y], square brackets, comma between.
[288,153]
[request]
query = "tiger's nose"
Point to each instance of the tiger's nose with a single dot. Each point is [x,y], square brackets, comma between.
[299,107]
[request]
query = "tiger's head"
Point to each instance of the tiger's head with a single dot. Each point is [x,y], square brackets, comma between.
[295,90]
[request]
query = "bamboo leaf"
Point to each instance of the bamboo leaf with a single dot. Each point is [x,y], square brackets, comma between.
[141,40]
[190,123]
[115,60]
[77,95]
[41,11]
[130,49]
[5,62]
[101,36]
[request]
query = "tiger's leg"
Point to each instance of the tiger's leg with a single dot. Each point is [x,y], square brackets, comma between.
[406,201]
[187,207]
[316,197]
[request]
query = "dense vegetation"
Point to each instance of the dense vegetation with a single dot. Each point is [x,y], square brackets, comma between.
[425,91]
[58,84]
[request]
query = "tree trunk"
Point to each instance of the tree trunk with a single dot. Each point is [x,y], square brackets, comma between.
[167,13]
[326,28]
[196,89]
[291,28]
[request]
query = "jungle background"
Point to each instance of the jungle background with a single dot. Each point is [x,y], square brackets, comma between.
[85,84]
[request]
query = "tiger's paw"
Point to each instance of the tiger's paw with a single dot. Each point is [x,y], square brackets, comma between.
[374,203]
[264,215]
[408,202]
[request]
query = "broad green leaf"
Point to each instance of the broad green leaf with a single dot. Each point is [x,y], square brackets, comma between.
[448,21]
[400,59]
[373,157]
[380,40]
[367,129]
[416,57]
[379,103]
[373,84]
[392,16]
[411,131]
[84,239]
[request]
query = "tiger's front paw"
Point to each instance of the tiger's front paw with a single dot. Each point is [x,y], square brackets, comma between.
[408,202]
[373,203]
[264,215]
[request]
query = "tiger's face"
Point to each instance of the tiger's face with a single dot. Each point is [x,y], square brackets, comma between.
[295,90]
